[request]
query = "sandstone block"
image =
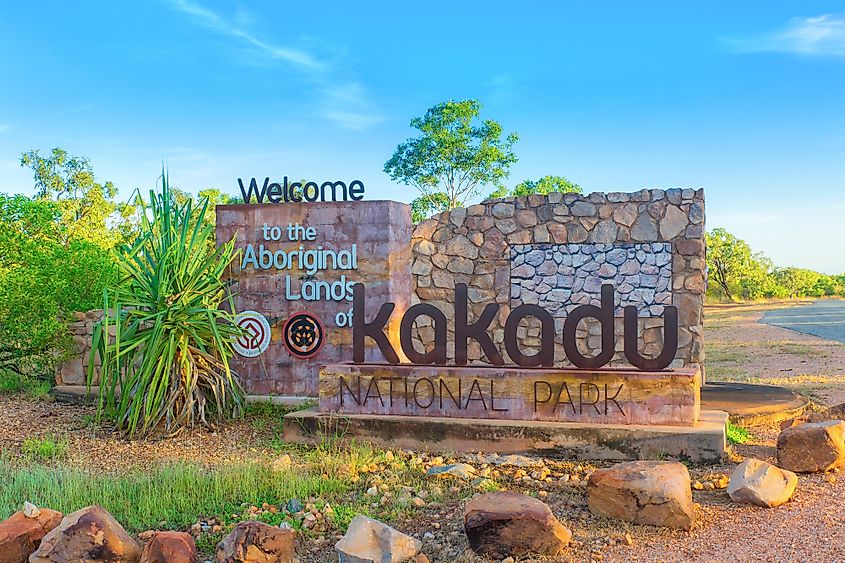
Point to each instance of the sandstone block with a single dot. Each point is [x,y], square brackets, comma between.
[256,542]
[170,547]
[511,524]
[761,483]
[89,534]
[371,541]
[645,492]
[811,447]
[20,534]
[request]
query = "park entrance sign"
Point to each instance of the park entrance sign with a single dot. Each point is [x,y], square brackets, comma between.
[293,282]
[559,321]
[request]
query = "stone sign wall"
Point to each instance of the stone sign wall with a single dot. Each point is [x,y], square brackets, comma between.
[297,265]
[557,250]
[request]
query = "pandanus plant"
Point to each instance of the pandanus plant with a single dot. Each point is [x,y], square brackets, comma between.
[165,338]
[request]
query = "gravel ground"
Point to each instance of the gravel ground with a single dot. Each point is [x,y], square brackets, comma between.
[808,528]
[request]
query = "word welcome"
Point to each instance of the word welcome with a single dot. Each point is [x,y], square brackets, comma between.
[298,192]
[478,331]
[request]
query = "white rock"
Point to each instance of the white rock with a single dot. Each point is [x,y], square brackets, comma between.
[30,510]
[761,483]
[371,541]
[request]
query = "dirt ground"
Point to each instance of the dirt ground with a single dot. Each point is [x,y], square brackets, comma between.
[808,528]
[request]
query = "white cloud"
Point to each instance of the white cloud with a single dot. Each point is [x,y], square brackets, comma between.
[236,29]
[814,36]
[344,102]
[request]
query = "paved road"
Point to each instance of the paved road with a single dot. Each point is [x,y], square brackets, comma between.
[824,318]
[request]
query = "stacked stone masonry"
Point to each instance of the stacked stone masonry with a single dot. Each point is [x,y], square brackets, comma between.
[73,371]
[494,246]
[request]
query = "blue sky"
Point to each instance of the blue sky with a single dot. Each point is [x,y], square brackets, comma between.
[745,99]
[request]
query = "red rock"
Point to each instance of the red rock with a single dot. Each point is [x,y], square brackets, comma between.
[20,535]
[90,534]
[645,492]
[508,524]
[170,547]
[256,542]
[813,446]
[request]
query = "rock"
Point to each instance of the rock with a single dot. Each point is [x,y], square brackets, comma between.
[257,542]
[761,483]
[644,492]
[89,534]
[673,223]
[20,534]
[169,547]
[371,541]
[507,524]
[293,505]
[644,228]
[814,446]
[30,510]
[459,470]
[282,463]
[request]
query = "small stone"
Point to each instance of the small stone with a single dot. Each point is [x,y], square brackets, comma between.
[88,530]
[282,463]
[760,483]
[459,470]
[293,505]
[810,447]
[257,542]
[30,510]
[370,541]
[645,492]
[169,547]
[21,534]
[508,524]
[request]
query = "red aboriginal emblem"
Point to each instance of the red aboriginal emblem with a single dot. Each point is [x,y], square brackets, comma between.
[303,335]
[256,334]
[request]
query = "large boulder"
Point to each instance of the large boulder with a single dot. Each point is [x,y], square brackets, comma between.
[20,534]
[761,483]
[810,447]
[645,492]
[501,525]
[170,547]
[371,541]
[89,534]
[257,542]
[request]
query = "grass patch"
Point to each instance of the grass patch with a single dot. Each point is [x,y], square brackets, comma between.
[175,496]
[12,383]
[738,434]
[726,354]
[721,373]
[171,496]
[802,350]
[46,448]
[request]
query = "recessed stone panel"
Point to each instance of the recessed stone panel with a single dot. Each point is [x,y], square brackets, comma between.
[560,277]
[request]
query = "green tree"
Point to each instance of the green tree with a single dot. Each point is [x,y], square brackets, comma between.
[425,206]
[543,186]
[87,207]
[729,260]
[456,153]
[45,276]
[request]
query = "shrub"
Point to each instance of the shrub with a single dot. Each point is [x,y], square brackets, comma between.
[167,361]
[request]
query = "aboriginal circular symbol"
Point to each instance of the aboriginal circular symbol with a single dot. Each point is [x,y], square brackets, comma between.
[303,335]
[256,334]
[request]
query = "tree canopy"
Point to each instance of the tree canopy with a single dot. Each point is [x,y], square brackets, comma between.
[456,153]
[543,186]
